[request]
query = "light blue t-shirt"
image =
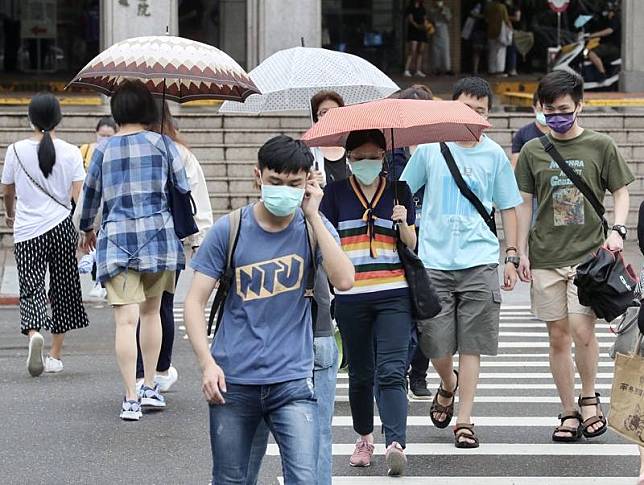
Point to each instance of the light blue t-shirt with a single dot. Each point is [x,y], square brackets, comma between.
[266,333]
[453,235]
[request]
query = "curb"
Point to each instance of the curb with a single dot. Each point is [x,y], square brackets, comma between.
[9,300]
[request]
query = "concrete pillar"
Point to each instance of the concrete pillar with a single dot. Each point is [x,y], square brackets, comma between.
[274,25]
[632,78]
[123,19]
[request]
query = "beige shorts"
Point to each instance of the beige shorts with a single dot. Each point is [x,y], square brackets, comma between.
[131,287]
[554,294]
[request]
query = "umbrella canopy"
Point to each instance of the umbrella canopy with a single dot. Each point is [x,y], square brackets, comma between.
[405,122]
[289,78]
[185,69]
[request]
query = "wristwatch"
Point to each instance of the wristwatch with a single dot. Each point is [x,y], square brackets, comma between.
[620,229]
[515,260]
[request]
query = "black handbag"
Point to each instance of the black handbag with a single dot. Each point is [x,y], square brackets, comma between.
[183,209]
[606,284]
[425,302]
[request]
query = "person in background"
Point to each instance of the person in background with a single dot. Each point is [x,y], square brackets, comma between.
[138,252]
[534,129]
[496,14]
[565,232]
[105,128]
[610,37]
[418,363]
[330,163]
[477,36]
[441,15]
[416,16]
[260,366]
[42,172]
[375,316]
[514,13]
[166,373]
[461,253]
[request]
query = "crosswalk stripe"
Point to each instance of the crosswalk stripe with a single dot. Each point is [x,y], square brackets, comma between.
[539,345]
[545,335]
[510,385]
[495,399]
[506,375]
[434,480]
[507,449]
[481,421]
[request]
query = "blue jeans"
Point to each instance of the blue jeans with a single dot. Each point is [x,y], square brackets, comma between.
[288,409]
[324,380]
[375,337]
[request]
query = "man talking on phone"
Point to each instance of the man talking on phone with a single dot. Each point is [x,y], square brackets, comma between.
[261,362]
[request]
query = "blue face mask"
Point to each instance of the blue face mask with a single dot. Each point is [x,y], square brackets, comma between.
[281,200]
[366,171]
[541,118]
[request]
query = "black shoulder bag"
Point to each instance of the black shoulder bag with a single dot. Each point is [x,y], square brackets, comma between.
[577,181]
[488,217]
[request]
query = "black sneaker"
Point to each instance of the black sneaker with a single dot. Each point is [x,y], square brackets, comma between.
[418,390]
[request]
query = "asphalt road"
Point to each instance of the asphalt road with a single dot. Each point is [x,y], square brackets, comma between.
[64,429]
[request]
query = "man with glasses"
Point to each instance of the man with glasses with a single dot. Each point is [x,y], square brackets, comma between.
[461,253]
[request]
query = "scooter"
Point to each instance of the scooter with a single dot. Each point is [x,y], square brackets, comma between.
[574,58]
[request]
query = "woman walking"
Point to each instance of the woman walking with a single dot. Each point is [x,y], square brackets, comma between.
[374,317]
[416,36]
[105,128]
[44,173]
[166,373]
[138,252]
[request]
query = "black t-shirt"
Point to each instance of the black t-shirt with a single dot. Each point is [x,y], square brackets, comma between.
[336,169]
[524,135]
[417,13]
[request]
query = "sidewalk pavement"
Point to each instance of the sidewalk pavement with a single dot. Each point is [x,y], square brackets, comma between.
[9,289]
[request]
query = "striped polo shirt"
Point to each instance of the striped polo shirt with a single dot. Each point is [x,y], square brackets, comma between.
[367,236]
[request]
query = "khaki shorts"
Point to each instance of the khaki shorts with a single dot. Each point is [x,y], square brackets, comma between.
[469,320]
[554,295]
[131,287]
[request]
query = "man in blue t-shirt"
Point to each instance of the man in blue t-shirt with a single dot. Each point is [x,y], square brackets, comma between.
[261,364]
[461,253]
[534,129]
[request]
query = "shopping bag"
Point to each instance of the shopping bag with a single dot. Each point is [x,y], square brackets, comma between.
[626,415]
[468,28]
[505,37]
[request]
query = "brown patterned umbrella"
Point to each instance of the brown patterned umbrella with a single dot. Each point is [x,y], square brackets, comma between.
[184,69]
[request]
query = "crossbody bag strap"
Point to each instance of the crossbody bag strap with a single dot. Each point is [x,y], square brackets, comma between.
[488,217]
[38,186]
[576,179]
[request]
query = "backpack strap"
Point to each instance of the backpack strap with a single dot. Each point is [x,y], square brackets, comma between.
[226,280]
[312,242]
[577,180]
[465,190]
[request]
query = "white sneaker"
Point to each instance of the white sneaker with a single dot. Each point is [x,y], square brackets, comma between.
[421,74]
[407,73]
[130,410]
[35,364]
[53,366]
[98,291]
[166,382]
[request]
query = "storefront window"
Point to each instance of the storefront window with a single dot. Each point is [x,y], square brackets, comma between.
[55,37]
[221,23]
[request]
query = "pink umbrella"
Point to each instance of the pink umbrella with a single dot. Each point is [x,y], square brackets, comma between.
[405,122]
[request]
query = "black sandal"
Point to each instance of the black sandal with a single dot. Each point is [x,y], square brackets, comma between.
[466,431]
[574,433]
[438,408]
[597,418]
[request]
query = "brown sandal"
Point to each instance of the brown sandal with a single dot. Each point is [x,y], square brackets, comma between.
[575,433]
[597,418]
[438,408]
[465,430]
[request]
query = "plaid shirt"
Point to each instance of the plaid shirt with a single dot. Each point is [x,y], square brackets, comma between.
[129,174]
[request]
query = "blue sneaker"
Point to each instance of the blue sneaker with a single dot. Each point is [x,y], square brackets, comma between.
[151,397]
[131,410]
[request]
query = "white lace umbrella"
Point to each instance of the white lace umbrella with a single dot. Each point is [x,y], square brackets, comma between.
[289,78]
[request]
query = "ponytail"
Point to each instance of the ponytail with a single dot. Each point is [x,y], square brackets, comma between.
[45,115]
[46,154]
